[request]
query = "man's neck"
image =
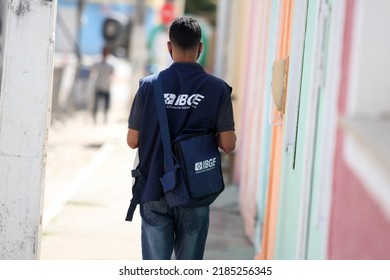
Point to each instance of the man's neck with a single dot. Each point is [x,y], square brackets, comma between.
[190,59]
[184,56]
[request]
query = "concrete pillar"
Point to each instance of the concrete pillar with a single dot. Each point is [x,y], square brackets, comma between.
[222,38]
[138,51]
[25,101]
[2,24]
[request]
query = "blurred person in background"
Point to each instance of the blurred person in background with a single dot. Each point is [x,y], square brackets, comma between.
[104,72]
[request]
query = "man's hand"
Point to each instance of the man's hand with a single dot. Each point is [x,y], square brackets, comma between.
[226,140]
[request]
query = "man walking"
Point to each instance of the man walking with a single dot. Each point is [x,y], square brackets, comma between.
[164,229]
[104,72]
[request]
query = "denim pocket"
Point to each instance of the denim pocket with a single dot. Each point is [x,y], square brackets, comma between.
[196,219]
[154,212]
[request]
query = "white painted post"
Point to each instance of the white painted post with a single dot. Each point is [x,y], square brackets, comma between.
[25,102]
[222,38]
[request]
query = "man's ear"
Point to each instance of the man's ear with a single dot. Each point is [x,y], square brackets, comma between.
[169,46]
[200,49]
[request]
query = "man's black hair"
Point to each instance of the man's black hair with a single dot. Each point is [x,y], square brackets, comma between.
[185,32]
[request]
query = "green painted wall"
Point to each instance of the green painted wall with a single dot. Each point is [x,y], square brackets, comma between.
[301,231]
[316,235]
[293,165]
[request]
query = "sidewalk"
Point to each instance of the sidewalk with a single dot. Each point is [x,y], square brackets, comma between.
[88,188]
[91,224]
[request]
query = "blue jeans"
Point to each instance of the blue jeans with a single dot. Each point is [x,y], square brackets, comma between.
[165,229]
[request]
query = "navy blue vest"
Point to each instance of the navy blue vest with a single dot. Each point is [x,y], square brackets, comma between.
[192,98]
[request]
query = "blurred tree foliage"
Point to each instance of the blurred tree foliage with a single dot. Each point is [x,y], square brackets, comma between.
[205,8]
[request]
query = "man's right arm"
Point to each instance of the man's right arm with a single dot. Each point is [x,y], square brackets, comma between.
[226,137]
[226,140]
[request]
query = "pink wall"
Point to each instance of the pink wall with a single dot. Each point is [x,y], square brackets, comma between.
[358,229]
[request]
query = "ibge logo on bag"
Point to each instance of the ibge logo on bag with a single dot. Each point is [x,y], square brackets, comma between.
[182,101]
[205,165]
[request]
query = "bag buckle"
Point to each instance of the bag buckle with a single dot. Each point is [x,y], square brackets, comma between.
[135,173]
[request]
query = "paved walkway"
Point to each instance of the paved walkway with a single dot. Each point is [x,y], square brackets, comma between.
[88,188]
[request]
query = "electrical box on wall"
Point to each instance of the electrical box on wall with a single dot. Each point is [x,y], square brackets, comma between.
[279,83]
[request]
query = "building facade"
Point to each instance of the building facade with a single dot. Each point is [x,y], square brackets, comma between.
[312,105]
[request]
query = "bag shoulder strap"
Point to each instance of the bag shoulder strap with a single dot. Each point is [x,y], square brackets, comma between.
[163,121]
[138,188]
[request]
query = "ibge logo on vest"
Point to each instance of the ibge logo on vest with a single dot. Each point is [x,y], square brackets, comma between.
[182,101]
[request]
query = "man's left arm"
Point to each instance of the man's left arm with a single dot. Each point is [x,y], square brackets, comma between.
[132,138]
[134,122]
